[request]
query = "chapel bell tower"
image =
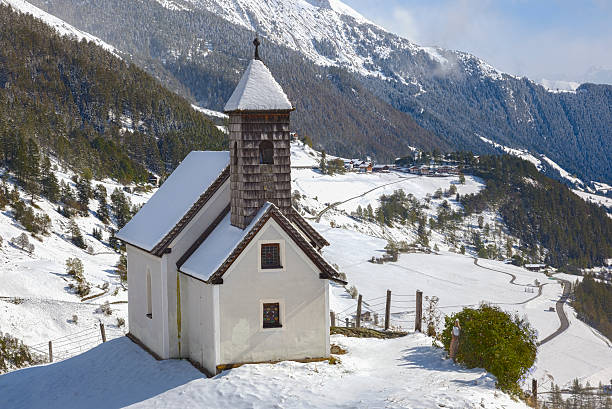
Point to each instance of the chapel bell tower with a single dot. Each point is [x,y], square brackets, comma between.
[260,155]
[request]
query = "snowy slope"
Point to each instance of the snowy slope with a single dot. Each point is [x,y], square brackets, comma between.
[36,304]
[456,279]
[399,373]
[60,26]
[589,192]
[578,352]
[404,372]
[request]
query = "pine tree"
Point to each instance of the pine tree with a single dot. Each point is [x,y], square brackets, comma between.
[120,206]
[76,237]
[84,192]
[323,163]
[49,184]
[370,212]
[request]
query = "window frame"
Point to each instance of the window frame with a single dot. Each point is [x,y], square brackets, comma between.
[149,294]
[266,147]
[281,255]
[281,314]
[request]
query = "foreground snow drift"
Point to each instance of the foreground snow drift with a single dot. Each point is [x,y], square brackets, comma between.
[400,373]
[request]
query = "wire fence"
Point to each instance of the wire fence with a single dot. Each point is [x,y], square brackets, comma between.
[402,313]
[76,343]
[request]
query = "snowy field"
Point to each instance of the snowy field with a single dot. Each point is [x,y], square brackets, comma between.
[37,306]
[579,352]
[400,373]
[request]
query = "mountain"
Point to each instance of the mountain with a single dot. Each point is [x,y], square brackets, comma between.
[331,59]
[87,107]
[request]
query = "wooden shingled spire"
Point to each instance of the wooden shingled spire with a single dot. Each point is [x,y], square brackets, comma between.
[260,156]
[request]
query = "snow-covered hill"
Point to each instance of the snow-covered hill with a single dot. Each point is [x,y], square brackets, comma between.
[591,192]
[59,25]
[458,280]
[36,305]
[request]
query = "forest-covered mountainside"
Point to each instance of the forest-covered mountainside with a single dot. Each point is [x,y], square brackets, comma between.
[593,303]
[543,213]
[88,107]
[202,56]
[356,100]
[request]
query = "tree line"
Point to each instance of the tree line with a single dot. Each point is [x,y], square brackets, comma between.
[542,213]
[88,107]
[593,303]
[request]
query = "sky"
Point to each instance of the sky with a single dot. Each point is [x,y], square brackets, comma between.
[542,39]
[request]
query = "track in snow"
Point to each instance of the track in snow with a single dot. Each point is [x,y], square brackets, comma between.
[317,218]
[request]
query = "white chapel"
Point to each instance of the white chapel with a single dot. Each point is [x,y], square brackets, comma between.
[221,269]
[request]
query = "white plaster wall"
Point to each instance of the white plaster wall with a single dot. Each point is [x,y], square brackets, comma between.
[148,330]
[304,299]
[199,339]
[179,246]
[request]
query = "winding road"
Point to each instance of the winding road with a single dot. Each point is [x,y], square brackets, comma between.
[560,312]
[564,322]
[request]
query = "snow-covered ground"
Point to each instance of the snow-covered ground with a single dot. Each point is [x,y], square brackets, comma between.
[399,373]
[593,198]
[579,352]
[36,304]
[405,372]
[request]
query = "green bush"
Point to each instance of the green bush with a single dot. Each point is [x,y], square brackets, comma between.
[14,354]
[492,339]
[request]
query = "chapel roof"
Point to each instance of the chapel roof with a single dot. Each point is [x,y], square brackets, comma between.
[223,243]
[258,91]
[177,200]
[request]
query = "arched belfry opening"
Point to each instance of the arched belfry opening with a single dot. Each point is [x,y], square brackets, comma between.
[260,169]
[266,153]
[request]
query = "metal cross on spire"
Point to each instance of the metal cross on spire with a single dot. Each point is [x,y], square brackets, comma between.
[256,43]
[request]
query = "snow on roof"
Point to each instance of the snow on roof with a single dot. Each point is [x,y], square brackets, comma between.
[218,246]
[174,198]
[258,91]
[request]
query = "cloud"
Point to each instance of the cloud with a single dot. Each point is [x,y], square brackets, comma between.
[555,39]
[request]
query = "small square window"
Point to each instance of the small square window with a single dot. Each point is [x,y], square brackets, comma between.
[271,315]
[270,255]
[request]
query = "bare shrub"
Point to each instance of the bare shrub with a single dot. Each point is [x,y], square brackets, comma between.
[106,309]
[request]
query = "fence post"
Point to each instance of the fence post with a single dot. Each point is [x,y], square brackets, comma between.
[419,311]
[103,332]
[358,320]
[347,322]
[332,319]
[534,390]
[50,352]
[388,310]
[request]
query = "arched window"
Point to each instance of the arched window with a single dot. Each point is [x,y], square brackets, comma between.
[266,152]
[149,301]
[235,156]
